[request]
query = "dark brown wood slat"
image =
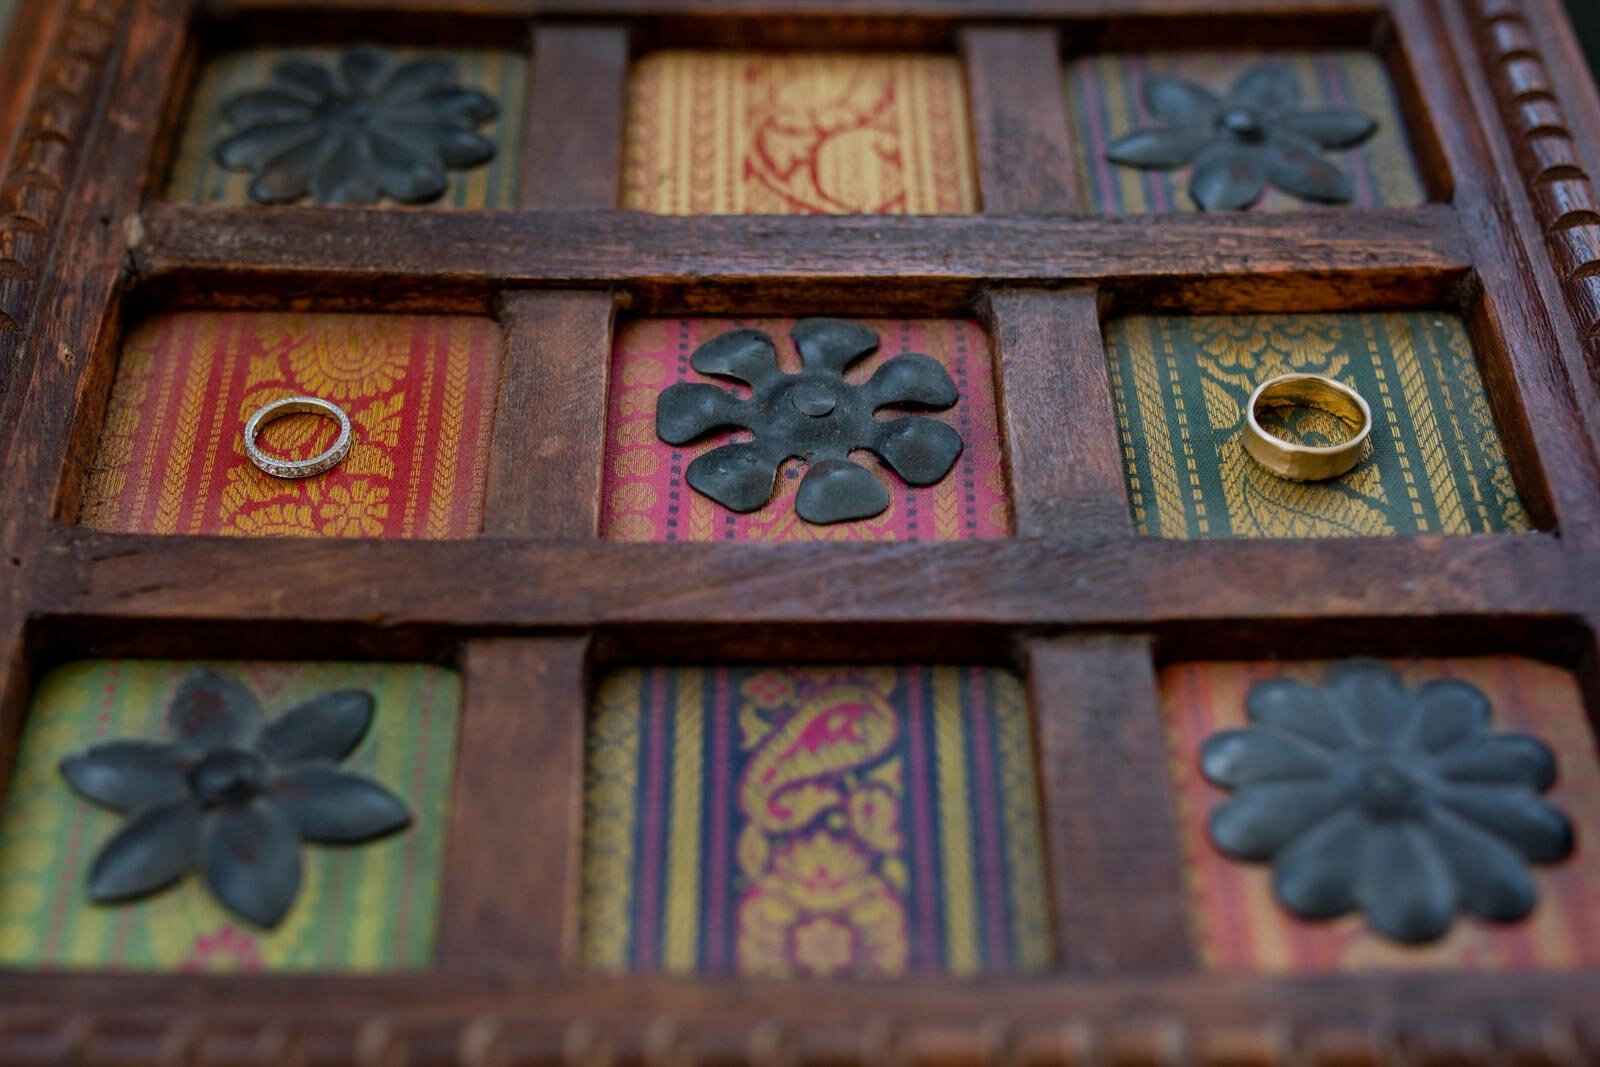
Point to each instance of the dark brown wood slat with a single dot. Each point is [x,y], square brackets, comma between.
[889,8]
[1116,864]
[511,873]
[572,153]
[1019,119]
[1064,455]
[544,467]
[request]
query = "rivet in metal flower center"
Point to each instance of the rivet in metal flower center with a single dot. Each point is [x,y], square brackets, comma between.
[815,415]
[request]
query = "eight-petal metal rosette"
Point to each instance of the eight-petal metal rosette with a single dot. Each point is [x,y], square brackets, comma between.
[356,129]
[1400,802]
[815,415]
[233,796]
[1257,134]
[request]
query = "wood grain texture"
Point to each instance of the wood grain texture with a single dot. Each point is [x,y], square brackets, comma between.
[576,94]
[544,467]
[1019,117]
[1116,863]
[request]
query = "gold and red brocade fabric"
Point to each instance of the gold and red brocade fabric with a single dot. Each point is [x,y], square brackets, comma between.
[419,390]
[1240,926]
[798,133]
[644,495]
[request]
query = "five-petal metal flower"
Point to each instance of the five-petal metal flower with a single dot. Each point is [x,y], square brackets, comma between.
[1257,134]
[1365,794]
[232,796]
[361,127]
[815,415]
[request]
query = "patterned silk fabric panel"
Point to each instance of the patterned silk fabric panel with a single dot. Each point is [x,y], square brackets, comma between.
[812,821]
[420,391]
[645,497]
[798,133]
[1105,101]
[1181,383]
[365,908]
[196,176]
[1241,926]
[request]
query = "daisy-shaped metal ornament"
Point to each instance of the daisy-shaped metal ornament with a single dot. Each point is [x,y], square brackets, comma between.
[815,415]
[1399,802]
[232,796]
[356,129]
[1257,134]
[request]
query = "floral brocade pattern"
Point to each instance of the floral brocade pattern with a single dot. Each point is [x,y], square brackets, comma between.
[812,822]
[798,133]
[419,391]
[1436,464]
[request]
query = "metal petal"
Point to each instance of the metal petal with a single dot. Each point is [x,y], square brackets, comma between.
[738,476]
[832,344]
[1535,828]
[129,775]
[363,68]
[266,106]
[260,145]
[1405,885]
[250,856]
[1373,697]
[306,76]
[414,79]
[1259,820]
[454,146]
[336,807]
[1300,709]
[686,410]
[1295,167]
[1447,712]
[1315,876]
[287,176]
[345,176]
[1227,178]
[743,355]
[213,710]
[1178,102]
[151,851]
[404,174]
[918,449]
[467,108]
[1330,127]
[1234,758]
[326,727]
[1491,877]
[1161,149]
[1499,759]
[912,378]
[1270,88]
[839,490]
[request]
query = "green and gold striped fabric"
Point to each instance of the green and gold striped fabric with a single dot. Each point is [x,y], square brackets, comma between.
[1181,383]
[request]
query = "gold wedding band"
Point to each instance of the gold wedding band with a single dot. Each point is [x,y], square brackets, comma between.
[302,468]
[1307,463]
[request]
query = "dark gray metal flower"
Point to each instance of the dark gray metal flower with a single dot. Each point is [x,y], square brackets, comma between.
[1257,134]
[233,796]
[815,415]
[353,130]
[1365,794]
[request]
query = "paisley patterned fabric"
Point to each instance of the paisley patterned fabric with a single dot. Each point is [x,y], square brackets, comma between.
[196,176]
[420,391]
[812,822]
[1240,926]
[359,909]
[645,497]
[1181,383]
[1105,101]
[798,133]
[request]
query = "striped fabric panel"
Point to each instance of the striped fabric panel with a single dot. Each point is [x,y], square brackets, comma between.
[420,391]
[1181,383]
[644,496]
[196,176]
[812,821]
[798,133]
[1104,98]
[371,908]
[1241,927]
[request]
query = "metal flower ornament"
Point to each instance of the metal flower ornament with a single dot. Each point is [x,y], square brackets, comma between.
[232,796]
[815,415]
[1257,134]
[355,129]
[1399,802]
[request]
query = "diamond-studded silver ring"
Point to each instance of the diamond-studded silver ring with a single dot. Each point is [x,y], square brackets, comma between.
[299,468]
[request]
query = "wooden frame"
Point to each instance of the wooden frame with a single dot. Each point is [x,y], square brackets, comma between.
[1083,606]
